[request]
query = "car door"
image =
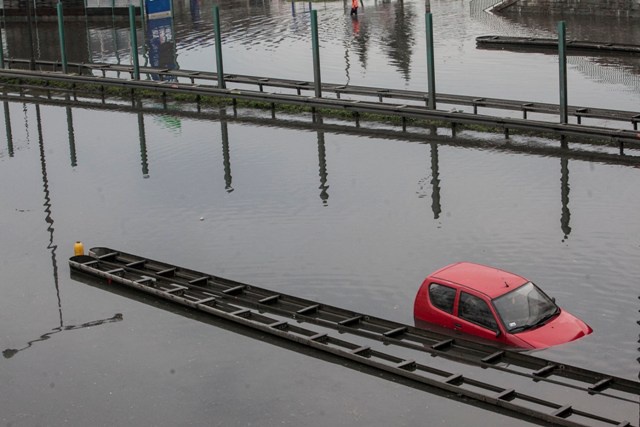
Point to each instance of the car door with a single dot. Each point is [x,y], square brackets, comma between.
[441,301]
[475,317]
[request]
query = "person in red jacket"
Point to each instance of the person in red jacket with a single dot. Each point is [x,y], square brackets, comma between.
[354,7]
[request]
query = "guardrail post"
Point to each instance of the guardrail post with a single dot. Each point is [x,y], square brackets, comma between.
[218,37]
[431,73]
[562,60]
[134,42]
[316,53]
[63,50]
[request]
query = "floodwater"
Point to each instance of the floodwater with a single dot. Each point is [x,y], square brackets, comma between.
[347,219]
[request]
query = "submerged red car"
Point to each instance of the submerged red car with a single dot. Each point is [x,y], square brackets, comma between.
[495,305]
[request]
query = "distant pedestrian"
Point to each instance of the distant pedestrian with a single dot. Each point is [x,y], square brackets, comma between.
[354,7]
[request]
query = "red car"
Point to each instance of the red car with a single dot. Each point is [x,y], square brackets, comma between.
[495,305]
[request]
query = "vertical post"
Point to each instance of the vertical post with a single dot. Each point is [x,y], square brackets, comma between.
[63,50]
[134,42]
[32,60]
[562,59]
[316,53]
[431,73]
[218,36]
[142,11]
[1,50]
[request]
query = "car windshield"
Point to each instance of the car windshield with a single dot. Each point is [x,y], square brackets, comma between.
[524,308]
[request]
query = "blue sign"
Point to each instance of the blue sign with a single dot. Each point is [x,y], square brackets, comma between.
[158,8]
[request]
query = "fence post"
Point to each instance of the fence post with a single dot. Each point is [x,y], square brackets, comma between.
[218,37]
[431,70]
[562,59]
[63,50]
[316,53]
[134,42]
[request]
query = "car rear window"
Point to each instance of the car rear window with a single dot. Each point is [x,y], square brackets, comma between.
[476,310]
[442,297]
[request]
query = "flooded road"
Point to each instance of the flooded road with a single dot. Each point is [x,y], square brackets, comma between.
[350,220]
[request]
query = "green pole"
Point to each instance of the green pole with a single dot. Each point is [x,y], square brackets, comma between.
[1,50]
[316,53]
[431,69]
[218,37]
[63,51]
[134,42]
[562,59]
[142,19]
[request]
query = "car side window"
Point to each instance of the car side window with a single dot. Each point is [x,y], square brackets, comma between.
[476,310]
[442,297]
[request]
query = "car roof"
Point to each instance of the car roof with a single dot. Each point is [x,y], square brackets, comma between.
[491,281]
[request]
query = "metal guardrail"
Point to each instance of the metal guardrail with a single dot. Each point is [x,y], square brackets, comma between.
[252,306]
[356,107]
[381,94]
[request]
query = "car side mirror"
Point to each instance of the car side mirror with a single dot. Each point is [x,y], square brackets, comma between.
[498,333]
[553,299]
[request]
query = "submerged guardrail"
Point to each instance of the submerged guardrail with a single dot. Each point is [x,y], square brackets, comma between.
[279,314]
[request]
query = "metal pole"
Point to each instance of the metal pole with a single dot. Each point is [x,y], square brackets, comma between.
[32,61]
[63,51]
[562,59]
[1,50]
[218,37]
[316,53]
[134,42]
[431,70]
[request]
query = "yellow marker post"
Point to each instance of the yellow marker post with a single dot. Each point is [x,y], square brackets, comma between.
[78,249]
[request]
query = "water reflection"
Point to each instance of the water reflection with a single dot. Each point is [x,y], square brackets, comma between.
[429,187]
[10,352]
[51,245]
[47,209]
[161,47]
[322,159]
[226,156]
[435,182]
[72,137]
[7,124]
[398,22]
[565,216]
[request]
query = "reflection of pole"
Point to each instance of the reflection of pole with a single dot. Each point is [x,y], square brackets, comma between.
[565,217]
[225,151]
[47,210]
[72,136]
[143,145]
[435,182]
[218,37]
[7,124]
[10,352]
[322,158]
[431,69]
